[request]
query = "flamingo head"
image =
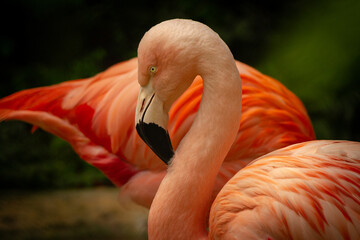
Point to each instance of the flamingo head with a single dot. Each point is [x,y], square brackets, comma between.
[169,58]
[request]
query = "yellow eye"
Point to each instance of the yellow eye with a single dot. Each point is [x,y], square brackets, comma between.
[153,69]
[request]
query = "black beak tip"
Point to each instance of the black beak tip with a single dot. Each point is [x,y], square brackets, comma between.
[157,138]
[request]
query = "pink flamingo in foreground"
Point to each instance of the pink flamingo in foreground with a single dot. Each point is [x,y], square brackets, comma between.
[95,116]
[309,190]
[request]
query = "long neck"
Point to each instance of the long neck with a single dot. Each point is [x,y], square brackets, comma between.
[182,203]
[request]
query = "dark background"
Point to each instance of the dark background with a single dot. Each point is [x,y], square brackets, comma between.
[312,47]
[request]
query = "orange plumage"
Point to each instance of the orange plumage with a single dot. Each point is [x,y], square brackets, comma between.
[308,190]
[95,116]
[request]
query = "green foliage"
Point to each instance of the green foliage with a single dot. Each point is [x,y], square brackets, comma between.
[40,160]
[317,57]
[310,46]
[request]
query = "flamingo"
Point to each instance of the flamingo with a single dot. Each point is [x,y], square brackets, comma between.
[308,190]
[95,116]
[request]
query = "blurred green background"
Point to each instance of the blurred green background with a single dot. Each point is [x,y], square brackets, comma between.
[312,47]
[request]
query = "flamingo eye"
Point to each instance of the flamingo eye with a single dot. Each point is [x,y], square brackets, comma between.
[152,69]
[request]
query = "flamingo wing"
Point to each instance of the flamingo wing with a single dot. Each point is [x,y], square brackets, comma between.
[95,116]
[308,190]
[72,110]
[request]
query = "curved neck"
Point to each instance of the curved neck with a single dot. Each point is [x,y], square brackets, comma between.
[181,206]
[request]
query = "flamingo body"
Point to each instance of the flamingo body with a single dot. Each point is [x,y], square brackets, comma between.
[95,116]
[308,190]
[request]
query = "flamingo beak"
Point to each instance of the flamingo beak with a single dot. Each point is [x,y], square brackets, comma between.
[151,123]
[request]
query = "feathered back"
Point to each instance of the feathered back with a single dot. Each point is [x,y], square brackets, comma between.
[96,116]
[308,190]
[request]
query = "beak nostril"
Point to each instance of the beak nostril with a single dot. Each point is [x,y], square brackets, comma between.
[142,105]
